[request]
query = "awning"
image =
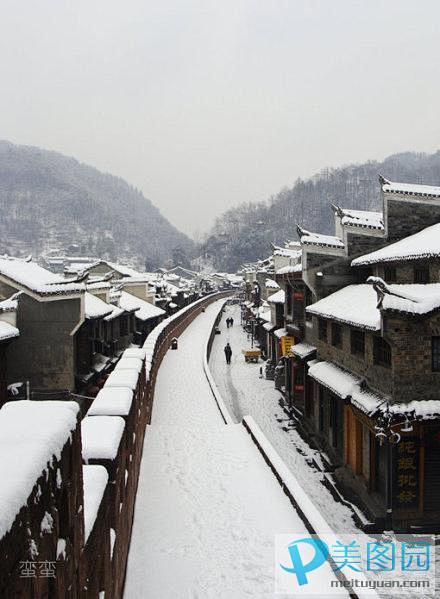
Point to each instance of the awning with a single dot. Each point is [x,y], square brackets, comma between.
[302,350]
[346,386]
[280,333]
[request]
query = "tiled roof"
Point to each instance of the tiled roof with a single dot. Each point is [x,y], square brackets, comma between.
[413,189]
[316,239]
[413,299]
[421,246]
[37,279]
[360,218]
[355,305]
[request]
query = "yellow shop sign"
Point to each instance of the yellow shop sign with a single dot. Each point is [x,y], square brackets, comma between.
[286,345]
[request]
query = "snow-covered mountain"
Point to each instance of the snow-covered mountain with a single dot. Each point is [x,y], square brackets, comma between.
[244,233]
[48,200]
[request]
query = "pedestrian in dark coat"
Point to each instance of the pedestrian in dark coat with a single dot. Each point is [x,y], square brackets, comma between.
[228,353]
[231,320]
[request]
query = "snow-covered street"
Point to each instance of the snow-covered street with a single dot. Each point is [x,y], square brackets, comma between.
[246,393]
[208,507]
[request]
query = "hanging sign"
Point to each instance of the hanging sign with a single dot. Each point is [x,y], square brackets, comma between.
[287,343]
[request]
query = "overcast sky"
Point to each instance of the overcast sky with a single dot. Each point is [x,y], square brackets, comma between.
[205,104]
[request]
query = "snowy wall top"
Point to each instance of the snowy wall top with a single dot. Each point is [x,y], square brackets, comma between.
[31,433]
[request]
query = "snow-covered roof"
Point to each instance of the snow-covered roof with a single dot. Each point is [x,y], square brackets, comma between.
[9,305]
[37,279]
[94,307]
[429,191]
[112,402]
[355,305]
[412,299]
[145,310]
[345,385]
[421,408]
[278,297]
[101,437]
[95,479]
[97,285]
[128,271]
[271,284]
[287,252]
[420,246]
[116,311]
[302,350]
[268,326]
[360,218]
[286,270]
[8,331]
[316,239]
[264,314]
[31,432]
[280,333]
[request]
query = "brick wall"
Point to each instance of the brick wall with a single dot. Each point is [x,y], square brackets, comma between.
[406,216]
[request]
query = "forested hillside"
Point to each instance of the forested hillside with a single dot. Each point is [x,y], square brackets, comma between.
[244,233]
[48,200]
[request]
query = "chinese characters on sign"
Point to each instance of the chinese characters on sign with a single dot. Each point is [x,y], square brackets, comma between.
[406,473]
[286,345]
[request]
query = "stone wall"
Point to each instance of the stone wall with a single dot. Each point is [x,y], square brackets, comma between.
[379,378]
[407,216]
[410,339]
[44,353]
[405,270]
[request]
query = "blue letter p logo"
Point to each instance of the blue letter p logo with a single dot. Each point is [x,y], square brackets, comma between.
[299,568]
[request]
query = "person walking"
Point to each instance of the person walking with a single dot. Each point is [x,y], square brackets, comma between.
[228,353]
[231,320]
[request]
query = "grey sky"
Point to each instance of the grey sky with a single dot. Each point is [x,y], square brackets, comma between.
[205,104]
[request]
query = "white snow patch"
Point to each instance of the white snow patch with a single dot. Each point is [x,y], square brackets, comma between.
[95,480]
[112,401]
[101,437]
[46,525]
[31,433]
[355,305]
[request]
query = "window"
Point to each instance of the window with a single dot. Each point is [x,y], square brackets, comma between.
[336,334]
[390,274]
[322,329]
[435,353]
[421,274]
[382,352]
[357,339]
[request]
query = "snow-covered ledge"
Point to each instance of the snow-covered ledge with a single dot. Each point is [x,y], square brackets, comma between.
[215,391]
[311,516]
